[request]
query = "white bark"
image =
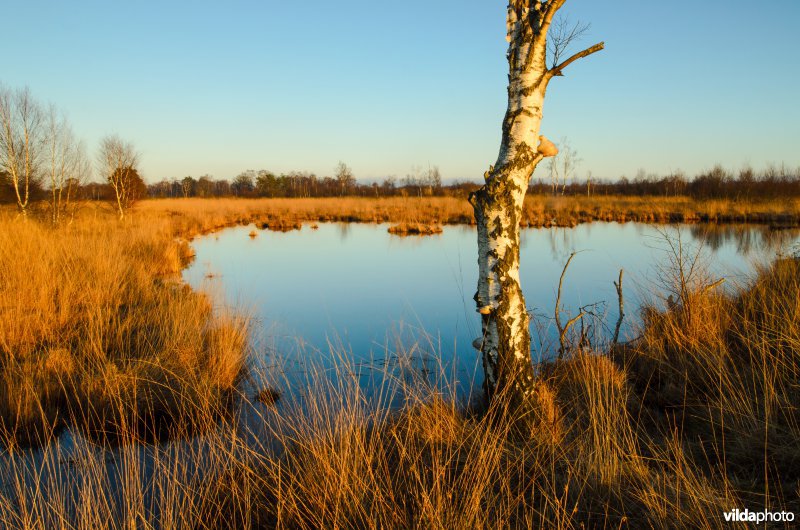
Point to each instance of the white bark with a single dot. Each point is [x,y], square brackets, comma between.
[117,161]
[67,162]
[20,141]
[505,344]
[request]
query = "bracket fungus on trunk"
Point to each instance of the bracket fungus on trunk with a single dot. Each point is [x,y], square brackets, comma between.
[505,340]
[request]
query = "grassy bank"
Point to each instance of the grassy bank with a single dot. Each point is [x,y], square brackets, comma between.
[95,331]
[288,214]
[697,417]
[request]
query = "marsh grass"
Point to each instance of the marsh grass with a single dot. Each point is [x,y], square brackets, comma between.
[94,330]
[191,216]
[696,417]
[414,229]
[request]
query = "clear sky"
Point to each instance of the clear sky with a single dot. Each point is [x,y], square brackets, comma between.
[220,87]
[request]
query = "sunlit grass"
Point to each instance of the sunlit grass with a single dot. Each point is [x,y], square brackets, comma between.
[93,317]
[696,417]
[202,215]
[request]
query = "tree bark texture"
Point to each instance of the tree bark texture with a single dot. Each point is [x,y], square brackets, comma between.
[498,205]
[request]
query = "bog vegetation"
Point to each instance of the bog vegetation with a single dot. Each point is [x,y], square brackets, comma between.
[43,162]
[746,184]
[100,341]
[695,417]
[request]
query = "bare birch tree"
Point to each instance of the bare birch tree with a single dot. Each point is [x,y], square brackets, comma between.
[21,135]
[562,166]
[589,184]
[505,342]
[117,162]
[67,163]
[186,186]
[344,177]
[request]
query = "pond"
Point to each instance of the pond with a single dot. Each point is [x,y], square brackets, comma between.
[358,292]
[354,296]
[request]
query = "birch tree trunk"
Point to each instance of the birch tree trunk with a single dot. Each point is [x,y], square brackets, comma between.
[505,342]
[117,161]
[68,166]
[20,142]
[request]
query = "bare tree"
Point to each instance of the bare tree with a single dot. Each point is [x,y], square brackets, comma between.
[505,342]
[186,186]
[563,33]
[589,184]
[242,186]
[117,162]
[562,166]
[67,163]
[344,177]
[21,142]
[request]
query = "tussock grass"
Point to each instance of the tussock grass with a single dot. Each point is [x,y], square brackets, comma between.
[414,229]
[695,418]
[206,215]
[722,372]
[95,332]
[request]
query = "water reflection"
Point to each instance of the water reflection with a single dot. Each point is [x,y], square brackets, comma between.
[344,231]
[370,308]
[746,239]
[352,286]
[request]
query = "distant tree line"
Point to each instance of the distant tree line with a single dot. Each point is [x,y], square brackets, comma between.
[717,183]
[79,190]
[263,183]
[43,161]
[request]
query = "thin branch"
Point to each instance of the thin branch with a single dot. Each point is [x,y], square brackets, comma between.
[556,70]
[713,285]
[562,331]
[562,34]
[618,286]
[558,293]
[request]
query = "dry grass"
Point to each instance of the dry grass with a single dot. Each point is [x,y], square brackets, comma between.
[96,333]
[724,373]
[696,418]
[414,229]
[569,211]
[204,215]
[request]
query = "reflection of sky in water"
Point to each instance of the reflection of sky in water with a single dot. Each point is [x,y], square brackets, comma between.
[358,286]
[361,287]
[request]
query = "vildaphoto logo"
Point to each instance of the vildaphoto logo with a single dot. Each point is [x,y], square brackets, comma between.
[746,516]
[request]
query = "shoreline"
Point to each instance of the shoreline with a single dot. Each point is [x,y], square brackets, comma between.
[420,216]
[625,429]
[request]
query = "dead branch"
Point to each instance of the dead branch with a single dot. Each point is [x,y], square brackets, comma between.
[557,70]
[714,285]
[562,34]
[562,330]
[618,286]
[562,334]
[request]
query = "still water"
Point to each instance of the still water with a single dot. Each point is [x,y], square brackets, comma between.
[357,290]
[366,296]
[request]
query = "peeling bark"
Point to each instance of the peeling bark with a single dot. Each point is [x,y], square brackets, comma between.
[505,342]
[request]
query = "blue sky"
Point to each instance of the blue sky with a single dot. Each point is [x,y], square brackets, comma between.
[212,87]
